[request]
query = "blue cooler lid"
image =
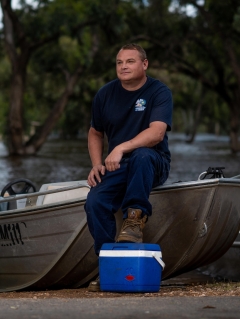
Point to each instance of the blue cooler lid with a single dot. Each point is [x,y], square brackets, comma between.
[132,250]
[130,246]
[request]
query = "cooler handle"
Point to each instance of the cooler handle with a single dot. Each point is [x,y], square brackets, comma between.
[159,260]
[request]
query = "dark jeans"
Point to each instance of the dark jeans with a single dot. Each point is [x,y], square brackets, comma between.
[129,186]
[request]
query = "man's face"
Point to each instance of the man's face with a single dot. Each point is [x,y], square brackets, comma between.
[129,66]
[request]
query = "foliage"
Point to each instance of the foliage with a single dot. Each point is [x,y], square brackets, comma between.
[203,46]
[195,55]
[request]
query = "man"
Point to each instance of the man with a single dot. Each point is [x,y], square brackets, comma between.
[134,111]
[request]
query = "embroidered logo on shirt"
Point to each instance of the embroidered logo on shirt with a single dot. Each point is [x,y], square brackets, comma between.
[140,105]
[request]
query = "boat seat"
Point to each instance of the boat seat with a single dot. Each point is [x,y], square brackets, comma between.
[62,196]
[11,205]
[49,198]
[3,206]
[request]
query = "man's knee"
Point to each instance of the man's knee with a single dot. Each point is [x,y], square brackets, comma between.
[92,201]
[142,152]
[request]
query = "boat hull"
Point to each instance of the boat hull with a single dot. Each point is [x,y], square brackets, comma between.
[227,267]
[198,224]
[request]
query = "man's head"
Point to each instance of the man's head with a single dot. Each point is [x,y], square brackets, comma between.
[133,46]
[131,65]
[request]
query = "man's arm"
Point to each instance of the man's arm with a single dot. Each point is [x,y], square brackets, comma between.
[147,138]
[95,147]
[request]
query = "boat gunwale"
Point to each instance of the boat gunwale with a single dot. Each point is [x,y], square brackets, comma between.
[73,202]
[205,182]
[41,208]
[47,192]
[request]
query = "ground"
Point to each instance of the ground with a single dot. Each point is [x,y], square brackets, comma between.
[191,284]
[193,290]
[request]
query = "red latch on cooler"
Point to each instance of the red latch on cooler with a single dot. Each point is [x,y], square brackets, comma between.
[129,277]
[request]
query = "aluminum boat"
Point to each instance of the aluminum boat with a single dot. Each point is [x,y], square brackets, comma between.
[45,241]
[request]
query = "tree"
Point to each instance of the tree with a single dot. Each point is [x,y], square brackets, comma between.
[53,40]
[25,32]
[204,47]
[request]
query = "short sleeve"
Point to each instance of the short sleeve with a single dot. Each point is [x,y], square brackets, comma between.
[162,107]
[96,121]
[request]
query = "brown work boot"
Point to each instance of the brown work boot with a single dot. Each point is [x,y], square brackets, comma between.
[94,285]
[132,227]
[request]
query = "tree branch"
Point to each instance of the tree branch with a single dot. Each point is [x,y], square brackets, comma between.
[233,60]
[56,35]
[16,25]
[185,66]
[37,140]
[8,32]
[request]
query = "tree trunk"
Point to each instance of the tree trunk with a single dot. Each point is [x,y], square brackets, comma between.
[234,129]
[19,62]
[196,119]
[15,129]
[38,139]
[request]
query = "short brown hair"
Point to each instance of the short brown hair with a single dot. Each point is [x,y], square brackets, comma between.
[133,46]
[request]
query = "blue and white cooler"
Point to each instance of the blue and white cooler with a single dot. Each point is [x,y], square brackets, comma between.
[130,267]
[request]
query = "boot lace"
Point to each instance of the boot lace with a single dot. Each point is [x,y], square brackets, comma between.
[131,223]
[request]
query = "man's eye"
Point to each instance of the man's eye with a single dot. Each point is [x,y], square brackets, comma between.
[119,62]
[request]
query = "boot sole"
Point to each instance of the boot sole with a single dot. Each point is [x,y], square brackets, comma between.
[94,289]
[126,239]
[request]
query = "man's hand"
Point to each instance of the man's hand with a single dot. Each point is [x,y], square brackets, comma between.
[95,175]
[112,161]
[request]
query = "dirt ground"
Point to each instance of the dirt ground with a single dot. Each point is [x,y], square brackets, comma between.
[191,284]
[193,290]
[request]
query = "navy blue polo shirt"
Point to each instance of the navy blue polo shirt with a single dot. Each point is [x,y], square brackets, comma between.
[123,114]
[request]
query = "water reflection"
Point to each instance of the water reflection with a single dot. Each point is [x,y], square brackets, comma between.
[189,160]
[69,160]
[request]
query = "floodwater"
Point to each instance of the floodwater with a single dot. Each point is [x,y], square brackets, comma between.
[67,160]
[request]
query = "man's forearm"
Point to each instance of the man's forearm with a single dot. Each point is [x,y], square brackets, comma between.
[95,146]
[147,138]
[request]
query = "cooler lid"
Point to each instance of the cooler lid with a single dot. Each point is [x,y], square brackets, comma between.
[132,250]
[130,246]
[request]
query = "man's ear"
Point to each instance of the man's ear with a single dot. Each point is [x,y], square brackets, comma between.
[145,64]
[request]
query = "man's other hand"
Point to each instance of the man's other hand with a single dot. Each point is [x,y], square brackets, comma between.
[95,175]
